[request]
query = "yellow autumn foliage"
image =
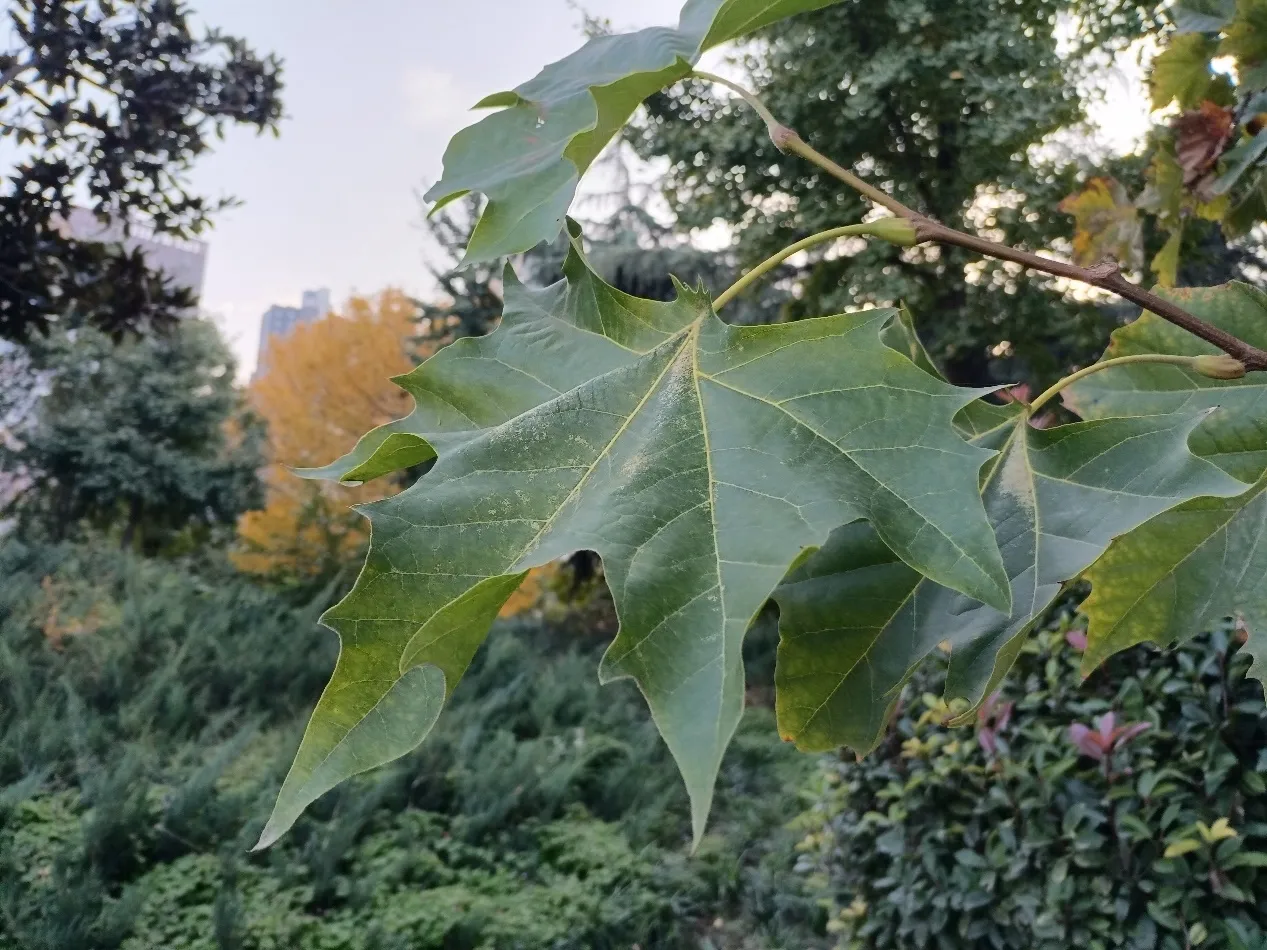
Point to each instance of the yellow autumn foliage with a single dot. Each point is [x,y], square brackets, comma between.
[326,385]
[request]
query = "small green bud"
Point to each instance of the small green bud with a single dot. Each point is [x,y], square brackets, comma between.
[897,231]
[1219,367]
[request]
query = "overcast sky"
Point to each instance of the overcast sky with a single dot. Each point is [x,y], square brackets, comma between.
[374,91]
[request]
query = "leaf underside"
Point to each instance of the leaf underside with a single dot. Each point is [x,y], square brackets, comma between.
[825,463]
[528,158]
[855,621]
[1206,560]
[699,460]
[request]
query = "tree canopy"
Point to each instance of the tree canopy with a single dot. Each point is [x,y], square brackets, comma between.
[326,383]
[945,103]
[148,437]
[112,102]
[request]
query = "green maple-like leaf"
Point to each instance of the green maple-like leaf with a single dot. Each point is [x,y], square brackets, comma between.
[1203,561]
[1245,38]
[855,621]
[977,420]
[1235,437]
[528,157]
[1238,161]
[1182,71]
[700,460]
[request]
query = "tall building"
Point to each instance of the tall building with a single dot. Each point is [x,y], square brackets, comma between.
[279,320]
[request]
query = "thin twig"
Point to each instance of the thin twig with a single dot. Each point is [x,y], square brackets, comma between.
[1106,275]
[15,69]
[746,95]
[788,141]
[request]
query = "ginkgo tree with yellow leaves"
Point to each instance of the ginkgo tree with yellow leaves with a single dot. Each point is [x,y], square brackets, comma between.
[824,465]
[325,384]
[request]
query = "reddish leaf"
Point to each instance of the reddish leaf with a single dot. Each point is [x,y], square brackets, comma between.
[1086,741]
[1128,733]
[986,738]
[1200,138]
[1105,727]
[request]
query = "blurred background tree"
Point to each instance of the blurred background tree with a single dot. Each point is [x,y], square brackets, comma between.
[149,697]
[111,101]
[149,438]
[324,386]
[965,110]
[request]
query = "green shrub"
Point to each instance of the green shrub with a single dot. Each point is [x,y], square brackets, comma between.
[147,707]
[1050,825]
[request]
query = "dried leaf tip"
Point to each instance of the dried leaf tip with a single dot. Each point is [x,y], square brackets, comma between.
[1219,367]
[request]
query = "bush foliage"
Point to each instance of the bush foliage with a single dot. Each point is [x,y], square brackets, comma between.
[139,754]
[1050,825]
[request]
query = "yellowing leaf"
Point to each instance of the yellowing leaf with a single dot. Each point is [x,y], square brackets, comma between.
[1166,263]
[1181,847]
[1107,225]
[1219,831]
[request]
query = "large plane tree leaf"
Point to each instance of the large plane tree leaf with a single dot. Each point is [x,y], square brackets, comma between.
[700,460]
[1206,560]
[528,158]
[855,621]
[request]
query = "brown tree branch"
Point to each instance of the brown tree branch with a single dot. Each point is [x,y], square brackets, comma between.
[1106,275]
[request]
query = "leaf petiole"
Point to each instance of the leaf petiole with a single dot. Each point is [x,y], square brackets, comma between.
[893,230]
[786,140]
[1188,362]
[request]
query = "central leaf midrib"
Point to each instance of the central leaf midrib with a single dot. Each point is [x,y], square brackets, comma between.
[687,336]
[712,508]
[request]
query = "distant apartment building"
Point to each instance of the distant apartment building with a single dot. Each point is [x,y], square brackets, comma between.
[279,321]
[183,262]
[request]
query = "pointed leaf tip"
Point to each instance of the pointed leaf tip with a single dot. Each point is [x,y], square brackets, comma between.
[528,158]
[394,725]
